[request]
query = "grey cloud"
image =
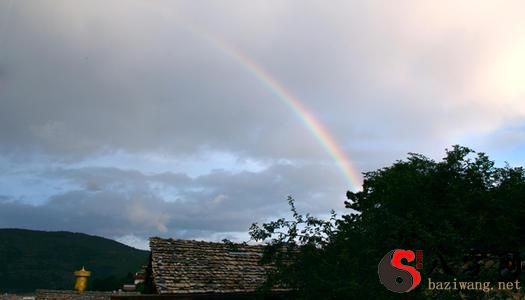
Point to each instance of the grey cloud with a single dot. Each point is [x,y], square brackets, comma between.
[92,78]
[81,79]
[124,201]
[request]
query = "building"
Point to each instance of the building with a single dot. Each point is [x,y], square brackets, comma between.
[183,269]
[140,276]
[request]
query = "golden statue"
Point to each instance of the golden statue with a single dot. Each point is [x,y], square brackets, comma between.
[82,276]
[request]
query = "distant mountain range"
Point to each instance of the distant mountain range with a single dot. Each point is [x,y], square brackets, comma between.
[32,260]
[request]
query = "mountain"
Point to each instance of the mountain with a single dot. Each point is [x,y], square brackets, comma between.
[32,260]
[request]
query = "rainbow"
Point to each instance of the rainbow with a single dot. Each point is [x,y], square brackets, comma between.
[326,140]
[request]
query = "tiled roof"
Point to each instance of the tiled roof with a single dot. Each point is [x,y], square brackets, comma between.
[183,266]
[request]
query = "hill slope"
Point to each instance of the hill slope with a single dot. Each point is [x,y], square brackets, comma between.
[46,260]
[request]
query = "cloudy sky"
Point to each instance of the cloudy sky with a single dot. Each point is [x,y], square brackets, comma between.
[193,119]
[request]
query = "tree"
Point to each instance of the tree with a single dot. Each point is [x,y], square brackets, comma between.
[458,206]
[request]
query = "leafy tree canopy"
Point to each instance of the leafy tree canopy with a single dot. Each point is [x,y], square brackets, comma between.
[449,208]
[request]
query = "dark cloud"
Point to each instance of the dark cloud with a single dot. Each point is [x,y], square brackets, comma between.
[129,202]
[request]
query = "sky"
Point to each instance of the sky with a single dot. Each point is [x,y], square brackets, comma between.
[129,119]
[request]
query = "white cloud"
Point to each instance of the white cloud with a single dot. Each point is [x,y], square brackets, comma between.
[133,241]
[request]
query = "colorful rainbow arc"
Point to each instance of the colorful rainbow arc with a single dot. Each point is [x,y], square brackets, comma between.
[318,130]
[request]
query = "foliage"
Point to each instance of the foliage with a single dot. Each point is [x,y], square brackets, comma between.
[447,208]
[303,238]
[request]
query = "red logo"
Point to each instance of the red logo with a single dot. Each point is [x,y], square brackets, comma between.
[399,277]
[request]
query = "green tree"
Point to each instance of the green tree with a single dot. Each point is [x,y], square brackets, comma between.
[448,208]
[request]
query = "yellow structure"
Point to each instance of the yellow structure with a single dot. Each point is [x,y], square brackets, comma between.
[82,276]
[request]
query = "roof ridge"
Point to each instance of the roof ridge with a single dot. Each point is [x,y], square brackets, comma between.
[206,242]
[191,266]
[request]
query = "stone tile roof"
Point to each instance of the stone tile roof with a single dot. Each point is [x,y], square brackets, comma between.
[184,267]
